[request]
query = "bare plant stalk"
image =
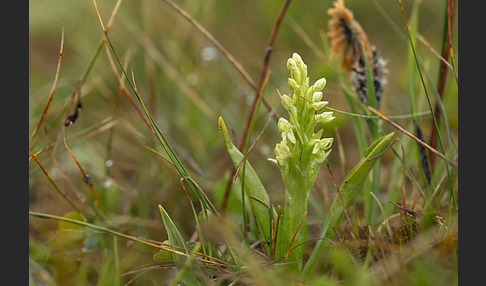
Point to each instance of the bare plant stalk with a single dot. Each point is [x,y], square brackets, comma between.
[257,89]
[86,177]
[53,88]
[56,186]
[446,52]
[432,150]
[220,47]
[266,60]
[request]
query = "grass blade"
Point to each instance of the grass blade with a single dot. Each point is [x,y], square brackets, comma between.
[205,202]
[349,191]
[260,201]
[176,239]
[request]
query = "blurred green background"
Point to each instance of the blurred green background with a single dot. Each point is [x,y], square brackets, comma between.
[178,72]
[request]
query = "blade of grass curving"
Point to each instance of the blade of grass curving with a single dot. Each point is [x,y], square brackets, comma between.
[393,194]
[88,69]
[172,73]
[155,244]
[413,52]
[358,128]
[116,110]
[86,179]
[196,218]
[102,41]
[349,190]
[439,137]
[439,109]
[446,53]
[53,88]
[56,186]
[370,208]
[80,82]
[205,244]
[404,39]
[411,66]
[389,21]
[175,238]
[165,144]
[442,156]
[400,116]
[411,69]
[238,67]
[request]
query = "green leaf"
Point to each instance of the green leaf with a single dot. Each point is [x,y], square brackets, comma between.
[259,199]
[164,256]
[355,179]
[253,185]
[64,225]
[349,190]
[71,232]
[176,239]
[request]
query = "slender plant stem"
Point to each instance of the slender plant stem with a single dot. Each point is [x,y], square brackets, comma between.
[56,186]
[53,88]
[263,71]
[257,89]
[155,244]
[446,52]
[239,68]
[435,152]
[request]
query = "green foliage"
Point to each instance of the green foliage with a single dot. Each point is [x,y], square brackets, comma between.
[260,203]
[164,255]
[348,192]
[181,261]
[153,89]
[302,151]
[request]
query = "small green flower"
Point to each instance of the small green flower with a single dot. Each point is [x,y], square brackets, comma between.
[302,151]
[298,136]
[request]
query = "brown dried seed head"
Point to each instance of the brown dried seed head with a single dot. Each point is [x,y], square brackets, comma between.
[346,35]
[359,80]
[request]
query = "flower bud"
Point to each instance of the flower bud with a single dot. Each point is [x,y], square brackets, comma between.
[325,143]
[317,96]
[286,101]
[294,86]
[296,57]
[290,135]
[320,84]
[324,117]
[301,76]
[316,148]
[321,156]
[282,152]
[294,70]
[283,125]
[318,106]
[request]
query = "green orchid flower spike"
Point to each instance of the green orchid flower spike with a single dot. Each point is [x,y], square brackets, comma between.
[302,151]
